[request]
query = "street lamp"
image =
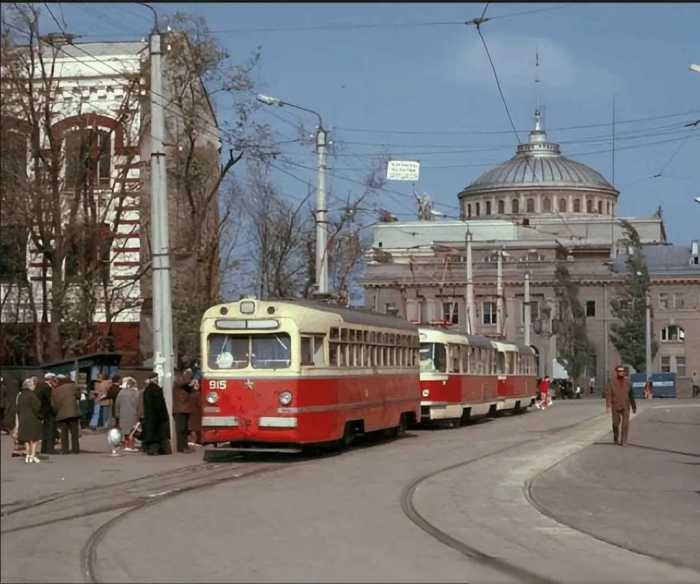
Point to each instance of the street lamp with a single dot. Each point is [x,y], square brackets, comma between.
[695,68]
[321,219]
[697,199]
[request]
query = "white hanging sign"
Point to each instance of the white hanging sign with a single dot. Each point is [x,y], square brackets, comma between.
[403,170]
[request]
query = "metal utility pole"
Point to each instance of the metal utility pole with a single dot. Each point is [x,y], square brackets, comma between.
[321,214]
[648,334]
[499,294]
[469,289]
[321,211]
[526,306]
[163,358]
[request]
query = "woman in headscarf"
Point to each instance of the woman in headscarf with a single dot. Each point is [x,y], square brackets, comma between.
[29,419]
[126,410]
[155,424]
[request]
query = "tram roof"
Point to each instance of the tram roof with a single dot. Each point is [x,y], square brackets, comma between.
[472,340]
[352,316]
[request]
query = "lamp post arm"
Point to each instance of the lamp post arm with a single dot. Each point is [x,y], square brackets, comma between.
[305,109]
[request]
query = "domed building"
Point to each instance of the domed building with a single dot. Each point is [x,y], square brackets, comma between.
[526,216]
[538,180]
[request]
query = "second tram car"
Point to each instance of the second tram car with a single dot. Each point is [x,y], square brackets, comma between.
[286,374]
[466,375]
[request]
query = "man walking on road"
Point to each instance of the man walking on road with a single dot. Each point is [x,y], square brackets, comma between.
[620,398]
[695,379]
[48,430]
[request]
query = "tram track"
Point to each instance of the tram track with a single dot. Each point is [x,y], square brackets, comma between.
[409,509]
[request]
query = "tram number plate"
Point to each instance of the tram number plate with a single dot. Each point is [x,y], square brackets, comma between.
[217,384]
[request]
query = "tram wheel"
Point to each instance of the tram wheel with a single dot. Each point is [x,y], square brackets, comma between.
[403,425]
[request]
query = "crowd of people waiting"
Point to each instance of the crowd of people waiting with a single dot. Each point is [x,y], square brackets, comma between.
[54,408]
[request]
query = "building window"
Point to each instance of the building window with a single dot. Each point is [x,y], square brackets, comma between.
[547,205]
[680,366]
[607,207]
[88,157]
[469,210]
[589,206]
[600,207]
[663,300]
[672,334]
[665,364]
[531,205]
[450,312]
[590,307]
[501,207]
[678,300]
[577,205]
[562,205]
[489,313]
[515,206]
[478,209]
[488,207]
[534,310]
[88,254]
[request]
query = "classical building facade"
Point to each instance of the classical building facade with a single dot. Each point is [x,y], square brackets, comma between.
[534,211]
[97,132]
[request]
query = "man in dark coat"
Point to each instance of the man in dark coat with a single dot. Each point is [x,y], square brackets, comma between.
[155,424]
[182,408]
[48,429]
[64,400]
[620,399]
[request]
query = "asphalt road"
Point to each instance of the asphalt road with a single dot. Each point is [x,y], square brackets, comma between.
[445,505]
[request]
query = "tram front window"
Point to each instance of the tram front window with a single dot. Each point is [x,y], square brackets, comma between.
[225,351]
[433,357]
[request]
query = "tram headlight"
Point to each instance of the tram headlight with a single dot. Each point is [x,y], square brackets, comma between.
[285,398]
[425,392]
[212,397]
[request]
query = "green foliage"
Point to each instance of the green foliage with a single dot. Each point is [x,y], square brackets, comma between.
[628,335]
[574,350]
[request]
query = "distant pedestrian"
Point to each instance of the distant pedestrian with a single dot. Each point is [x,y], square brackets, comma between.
[29,419]
[126,411]
[578,391]
[695,379]
[544,393]
[64,400]
[648,389]
[619,400]
[182,408]
[115,387]
[48,431]
[195,425]
[155,423]
[102,386]
[591,386]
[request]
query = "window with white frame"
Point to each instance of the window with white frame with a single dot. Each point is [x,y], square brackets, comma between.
[678,300]
[663,300]
[672,334]
[488,313]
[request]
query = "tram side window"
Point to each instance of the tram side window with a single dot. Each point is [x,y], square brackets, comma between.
[500,362]
[333,349]
[454,358]
[465,359]
[312,350]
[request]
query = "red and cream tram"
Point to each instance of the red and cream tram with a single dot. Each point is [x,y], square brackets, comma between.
[516,367]
[467,375]
[293,373]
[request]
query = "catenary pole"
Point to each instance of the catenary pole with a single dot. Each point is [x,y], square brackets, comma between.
[321,214]
[163,361]
[469,288]
[527,313]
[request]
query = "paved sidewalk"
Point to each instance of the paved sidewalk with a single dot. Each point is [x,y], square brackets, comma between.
[93,467]
[643,496]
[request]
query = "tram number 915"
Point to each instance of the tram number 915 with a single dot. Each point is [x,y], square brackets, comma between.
[217,384]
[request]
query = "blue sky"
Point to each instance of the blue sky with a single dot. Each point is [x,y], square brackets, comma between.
[419,86]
